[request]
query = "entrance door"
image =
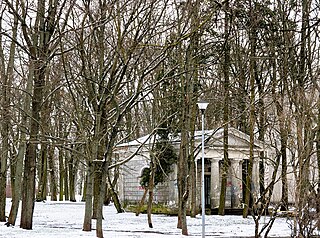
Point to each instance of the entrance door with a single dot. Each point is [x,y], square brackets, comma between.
[207,185]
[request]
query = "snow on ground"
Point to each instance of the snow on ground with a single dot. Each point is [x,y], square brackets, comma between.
[64,219]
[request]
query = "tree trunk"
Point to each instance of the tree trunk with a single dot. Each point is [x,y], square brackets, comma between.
[96,189]
[29,178]
[98,176]
[21,153]
[107,198]
[140,205]
[193,188]
[150,188]
[318,167]
[4,150]
[66,176]
[253,39]
[226,67]
[18,181]
[114,196]
[28,192]
[61,175]
[182,183]
[84,192]
[42,187]
[53,179]
[88,205]
[72,177]
[61,155]
[284,180]
[104,168]
[6,75]
[113,184]
[222,201]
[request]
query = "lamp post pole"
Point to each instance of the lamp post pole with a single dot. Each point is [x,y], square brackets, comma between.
[202,106]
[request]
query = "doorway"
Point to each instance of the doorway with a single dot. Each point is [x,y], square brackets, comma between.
[207,186]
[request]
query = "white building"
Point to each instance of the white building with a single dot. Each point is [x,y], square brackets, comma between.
[239,147]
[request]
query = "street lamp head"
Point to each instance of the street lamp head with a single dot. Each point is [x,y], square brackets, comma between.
[202,105]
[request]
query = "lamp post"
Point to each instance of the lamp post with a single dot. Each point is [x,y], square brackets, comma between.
[202,106]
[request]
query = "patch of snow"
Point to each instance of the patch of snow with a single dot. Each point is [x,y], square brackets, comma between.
[64,219]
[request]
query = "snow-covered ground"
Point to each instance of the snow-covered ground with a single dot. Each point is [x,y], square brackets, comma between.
[64,219]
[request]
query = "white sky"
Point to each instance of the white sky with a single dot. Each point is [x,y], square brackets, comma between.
[64,219]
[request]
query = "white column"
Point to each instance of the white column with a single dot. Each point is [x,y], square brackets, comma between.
[215,183]
[255,186]
[236,182]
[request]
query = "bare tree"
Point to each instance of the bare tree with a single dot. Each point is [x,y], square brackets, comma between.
[40,46]
[7,74]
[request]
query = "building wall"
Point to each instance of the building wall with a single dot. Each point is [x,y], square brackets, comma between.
[131,190]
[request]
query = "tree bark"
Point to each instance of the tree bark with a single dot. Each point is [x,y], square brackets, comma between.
[43,179]
[66,176]
[73,165]
[140,205]
[226,68]
[99,231]
[253,38]
[21,153]
[6,74]
[88,205]
[150,188]
[182,182]
[28,193]
[96,189]
[53,178]
[61,175]
[114,195]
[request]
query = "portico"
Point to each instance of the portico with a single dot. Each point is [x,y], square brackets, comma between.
[238,162]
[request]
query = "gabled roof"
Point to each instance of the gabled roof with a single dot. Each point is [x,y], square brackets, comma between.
[213,138]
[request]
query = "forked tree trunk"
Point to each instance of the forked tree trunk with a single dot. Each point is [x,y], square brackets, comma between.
[21,153]
[18,182]
[29,178]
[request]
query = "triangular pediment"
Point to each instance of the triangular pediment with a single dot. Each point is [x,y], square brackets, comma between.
[236,139]
[213,138]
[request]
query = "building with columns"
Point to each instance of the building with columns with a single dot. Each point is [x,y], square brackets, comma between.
[130,190]
[238,152]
